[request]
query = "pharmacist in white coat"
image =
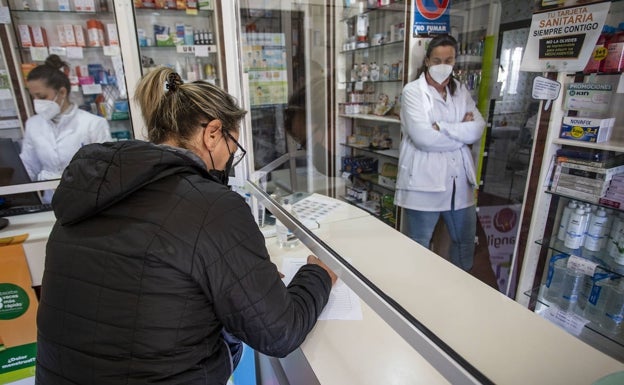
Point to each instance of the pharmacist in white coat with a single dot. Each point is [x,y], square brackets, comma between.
[59,128]
[436,177]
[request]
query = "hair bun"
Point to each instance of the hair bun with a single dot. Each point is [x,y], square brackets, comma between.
[54,61]
[173,82]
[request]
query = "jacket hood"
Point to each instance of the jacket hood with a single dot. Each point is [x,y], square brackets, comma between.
[101,174]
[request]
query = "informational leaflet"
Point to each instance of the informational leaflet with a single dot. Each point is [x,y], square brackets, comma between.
[343,303]
[264,60]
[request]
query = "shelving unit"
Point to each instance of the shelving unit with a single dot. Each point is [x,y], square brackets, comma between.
[88,41]
[182,39]
[569,313]
[370,79]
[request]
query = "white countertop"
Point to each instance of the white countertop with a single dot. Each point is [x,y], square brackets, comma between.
[508,343]
[505,341]
[37,225]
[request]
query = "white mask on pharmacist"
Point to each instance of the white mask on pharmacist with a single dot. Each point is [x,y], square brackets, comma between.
[47,109]
[440,72]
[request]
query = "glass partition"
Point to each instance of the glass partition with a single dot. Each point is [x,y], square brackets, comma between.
[296,65]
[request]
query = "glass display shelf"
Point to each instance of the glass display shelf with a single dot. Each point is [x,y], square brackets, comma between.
[592,332]
[182,49]
[373,179]
[171,11]
[375,81]
[19,12]
[583,200]
[390,153]
[397,43]
[395,6]
[611,145]
[376,118]
[601,258]
[371,206]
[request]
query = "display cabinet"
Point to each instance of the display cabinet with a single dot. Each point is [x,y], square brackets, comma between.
[182,35]
[10,121]
[370,78]
[578,272]
[84,34]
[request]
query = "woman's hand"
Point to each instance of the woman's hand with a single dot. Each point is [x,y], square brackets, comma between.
[468,117]
[315,261]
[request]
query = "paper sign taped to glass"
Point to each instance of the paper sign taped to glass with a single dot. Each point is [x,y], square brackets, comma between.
[563,40]
[18,315]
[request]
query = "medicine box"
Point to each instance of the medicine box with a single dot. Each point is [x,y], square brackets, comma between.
[39,36]
[111,32]
[586,129]
[25,35]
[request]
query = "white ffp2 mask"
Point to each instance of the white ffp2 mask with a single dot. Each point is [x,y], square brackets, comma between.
[48,109]
[440,72]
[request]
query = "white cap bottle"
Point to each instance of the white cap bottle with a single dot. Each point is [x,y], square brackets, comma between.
[575,231]
[596,230]
[565,217]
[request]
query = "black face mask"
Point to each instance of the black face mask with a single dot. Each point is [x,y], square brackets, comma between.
[222,176]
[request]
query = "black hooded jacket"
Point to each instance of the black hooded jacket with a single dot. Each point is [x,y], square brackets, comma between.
[150,258]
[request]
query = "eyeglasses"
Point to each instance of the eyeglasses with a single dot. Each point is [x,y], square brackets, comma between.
[240,152]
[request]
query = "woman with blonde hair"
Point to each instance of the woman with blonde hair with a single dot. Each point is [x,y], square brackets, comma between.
[155,268]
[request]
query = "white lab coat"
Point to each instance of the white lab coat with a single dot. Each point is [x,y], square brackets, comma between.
[48,147]
[432,162]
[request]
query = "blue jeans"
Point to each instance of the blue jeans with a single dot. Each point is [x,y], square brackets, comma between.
[462,228]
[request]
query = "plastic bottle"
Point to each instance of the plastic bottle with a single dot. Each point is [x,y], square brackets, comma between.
[285,237]
[556,271]
[614,307]
[571,285]
[594,307]
[614,62]
[575,232]
[565,218]
[598,55]
[596,230]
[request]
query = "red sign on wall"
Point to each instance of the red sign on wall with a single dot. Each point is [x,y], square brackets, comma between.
[431,17]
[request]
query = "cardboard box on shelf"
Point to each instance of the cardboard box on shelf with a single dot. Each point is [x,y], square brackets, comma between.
[586,129]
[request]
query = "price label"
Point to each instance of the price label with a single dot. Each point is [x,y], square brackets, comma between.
[112,50]
[91,89]
[185,49]
[571,322]
[202,50]
[75,53]
[61,51]
[582,264]
[5,94]
[39,53]
[345,175]
[5,17]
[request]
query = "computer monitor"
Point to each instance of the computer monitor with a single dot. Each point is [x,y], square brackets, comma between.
[16,187]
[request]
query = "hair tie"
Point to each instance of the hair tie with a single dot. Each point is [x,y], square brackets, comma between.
[173,82]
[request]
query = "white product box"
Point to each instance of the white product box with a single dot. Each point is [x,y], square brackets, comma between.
[586,129]
[60,31]
[39,36]
[79,33]
[25,35]
[111,32]
[70,38]
[88,5]
[63,5]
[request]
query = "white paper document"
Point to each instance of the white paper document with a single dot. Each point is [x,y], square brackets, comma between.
[343,303]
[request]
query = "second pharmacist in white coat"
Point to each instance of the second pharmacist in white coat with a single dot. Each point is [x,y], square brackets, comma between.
[59,128]
[436,177]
